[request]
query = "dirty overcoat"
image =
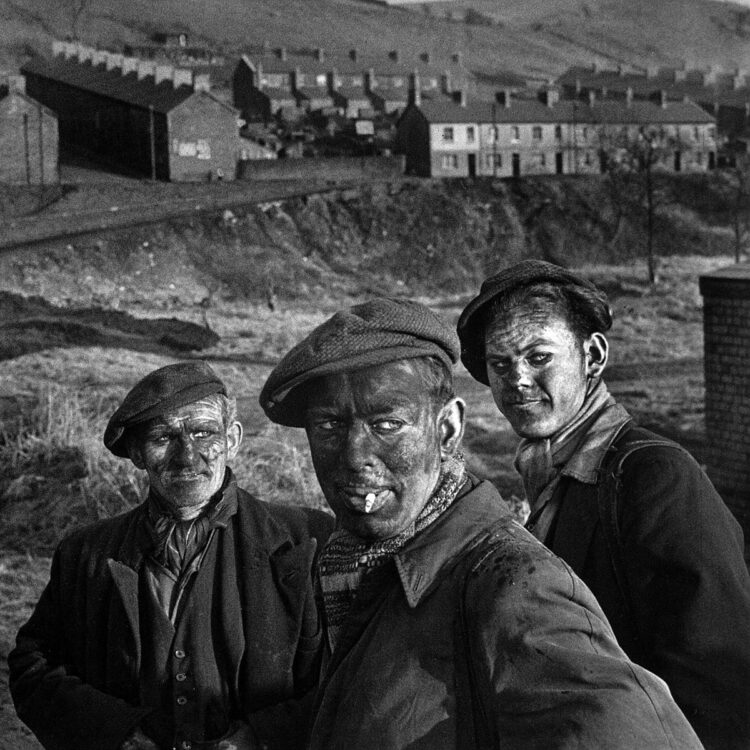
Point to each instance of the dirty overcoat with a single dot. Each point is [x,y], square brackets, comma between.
[482,638]
[74,673]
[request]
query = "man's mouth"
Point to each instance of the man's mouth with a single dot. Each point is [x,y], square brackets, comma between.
[365,499]
[186,476]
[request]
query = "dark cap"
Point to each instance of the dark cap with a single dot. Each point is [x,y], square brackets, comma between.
[161,390]
[373,333]
[471,324]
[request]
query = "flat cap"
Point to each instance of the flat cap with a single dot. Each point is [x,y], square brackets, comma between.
[161,390]
[471,324]
[373,333]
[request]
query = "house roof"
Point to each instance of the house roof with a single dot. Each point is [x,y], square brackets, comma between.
[391,93]
[313,92]
[111,83]
[352,92]
[568,111]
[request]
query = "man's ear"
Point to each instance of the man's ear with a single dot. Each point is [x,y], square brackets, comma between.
[596,349]
[234,438]
[451,426]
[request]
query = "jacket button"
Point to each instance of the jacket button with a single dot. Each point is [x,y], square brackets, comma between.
[182,700]
[180,677]
[179,653]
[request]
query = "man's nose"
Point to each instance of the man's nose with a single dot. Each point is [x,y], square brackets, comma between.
[184,451]
[357,451]
[519,375]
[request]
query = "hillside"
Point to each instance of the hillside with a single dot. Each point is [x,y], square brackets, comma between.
[536,39]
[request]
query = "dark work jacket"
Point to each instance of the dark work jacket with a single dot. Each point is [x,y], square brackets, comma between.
[482,638]
[670,576]
[74,674]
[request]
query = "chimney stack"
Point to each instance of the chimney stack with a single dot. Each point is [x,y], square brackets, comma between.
[16,83]
[182,77]
[353,55]
[549,96]
[394,55]
[460,97]
[201,81]
[445,82]
[503,98]
[320,54]
[371,82]
[145,68]
[629,96]
[113,61]
[281,53]
[58,47]
[592,97]
[84,52]
[99,57]
[163,72]
[129,65]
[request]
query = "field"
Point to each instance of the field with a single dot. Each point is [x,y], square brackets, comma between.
[56,474]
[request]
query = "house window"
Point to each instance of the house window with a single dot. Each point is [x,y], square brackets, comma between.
[699,157]
[449,161]
[536,132]
[584,132]
[542,160]
[448,135]
[696,133]
[494,161]
[515,133]
[587,159]
[558,132]
[320,80]
[470,134]
[712,131]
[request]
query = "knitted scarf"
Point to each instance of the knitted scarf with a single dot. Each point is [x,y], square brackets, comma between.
[351,568]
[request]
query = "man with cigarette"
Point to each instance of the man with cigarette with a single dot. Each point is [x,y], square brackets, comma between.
[447,625]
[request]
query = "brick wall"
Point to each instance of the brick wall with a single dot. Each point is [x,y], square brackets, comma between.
[726,322]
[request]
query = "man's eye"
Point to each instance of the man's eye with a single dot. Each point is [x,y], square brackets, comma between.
[499,367]
[159,439]
[327,425]
[388,425]
[540,358]
[201,433]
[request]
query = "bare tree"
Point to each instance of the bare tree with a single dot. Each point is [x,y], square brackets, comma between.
[734,187]
[634,164]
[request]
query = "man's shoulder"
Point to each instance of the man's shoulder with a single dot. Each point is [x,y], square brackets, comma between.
[636,444]
[277,520]
[102,533]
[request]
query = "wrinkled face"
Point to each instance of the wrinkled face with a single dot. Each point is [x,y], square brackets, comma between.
[185,452]
[537,369]
[376,439]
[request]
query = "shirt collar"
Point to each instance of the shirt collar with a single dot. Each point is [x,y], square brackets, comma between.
[430,554]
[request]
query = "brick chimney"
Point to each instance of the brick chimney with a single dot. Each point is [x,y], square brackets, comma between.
[460,97]
[679,75]
[145,68]
[503,98]
[663,101]
[592,97]
[182,77]
[129,65]
[371,82]
[445,82]
[281,53]
[549,96]
[353,54]
[163,72]
[16,83]
[84,52]
[629,96]
[99,57]
[201,81]
[320,54]
[58,47]
[113,60]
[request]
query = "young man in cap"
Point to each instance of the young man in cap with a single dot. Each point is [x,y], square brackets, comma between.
[188,621]
[632,513]
[447,625]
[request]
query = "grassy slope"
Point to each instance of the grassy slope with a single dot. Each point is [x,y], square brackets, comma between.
[534,38]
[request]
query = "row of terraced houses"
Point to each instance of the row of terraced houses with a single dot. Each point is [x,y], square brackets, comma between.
[170,122]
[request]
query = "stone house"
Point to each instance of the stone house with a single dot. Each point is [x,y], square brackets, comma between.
[28,137]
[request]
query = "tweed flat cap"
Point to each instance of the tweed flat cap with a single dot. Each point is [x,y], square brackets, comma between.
[163,389]
[472,322]
[373,333]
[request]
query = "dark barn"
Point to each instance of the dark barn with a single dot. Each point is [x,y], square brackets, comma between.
[28,137]
[156,120]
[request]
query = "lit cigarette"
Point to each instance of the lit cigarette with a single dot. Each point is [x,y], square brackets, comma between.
[369,501]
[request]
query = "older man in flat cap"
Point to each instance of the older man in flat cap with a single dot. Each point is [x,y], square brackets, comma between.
[447,625]
[632,513]
[189,621]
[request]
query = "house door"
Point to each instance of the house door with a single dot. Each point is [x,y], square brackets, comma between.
[677,161]
[472,165]
[711,160]
[516,165]
[558,163]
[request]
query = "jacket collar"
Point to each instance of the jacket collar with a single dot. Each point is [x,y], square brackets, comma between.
[429,555]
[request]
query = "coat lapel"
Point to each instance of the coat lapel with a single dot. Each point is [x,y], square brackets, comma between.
[126,583]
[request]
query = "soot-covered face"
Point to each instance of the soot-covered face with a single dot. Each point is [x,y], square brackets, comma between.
[377,438]
[185,452]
